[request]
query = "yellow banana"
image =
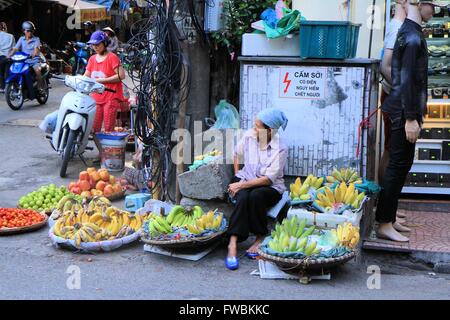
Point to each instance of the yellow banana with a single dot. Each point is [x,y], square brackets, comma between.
[126,219]
[57,228]
[138,222]
[93,226]
[330,195]
[115,226]
[95,218]
[349,193]
[77,239]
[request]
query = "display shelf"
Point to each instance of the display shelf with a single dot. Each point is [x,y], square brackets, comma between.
[426,190]
[442,121]
[438,101]
[441,80]
[431,141]
[420,166]
[433,162]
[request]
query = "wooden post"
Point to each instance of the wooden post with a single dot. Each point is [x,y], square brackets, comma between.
[182,116]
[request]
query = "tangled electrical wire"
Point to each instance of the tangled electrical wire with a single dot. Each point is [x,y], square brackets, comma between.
[160,75]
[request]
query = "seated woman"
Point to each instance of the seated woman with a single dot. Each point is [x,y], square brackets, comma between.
[259,185]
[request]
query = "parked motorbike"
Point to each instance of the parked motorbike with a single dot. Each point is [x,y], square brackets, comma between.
[75,119]
[82,52]
[76,54]
[21,84]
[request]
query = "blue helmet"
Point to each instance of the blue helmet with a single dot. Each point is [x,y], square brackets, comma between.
[99,37]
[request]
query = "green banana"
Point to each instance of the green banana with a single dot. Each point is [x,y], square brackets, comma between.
[308,232]
[198,212]
[301,243]
[301,228]
[293,244]
[310,248]
[153,231]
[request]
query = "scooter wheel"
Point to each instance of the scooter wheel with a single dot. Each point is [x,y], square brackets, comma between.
[13,95]
[68,152]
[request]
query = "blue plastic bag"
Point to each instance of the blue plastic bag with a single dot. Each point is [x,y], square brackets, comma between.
[227,116]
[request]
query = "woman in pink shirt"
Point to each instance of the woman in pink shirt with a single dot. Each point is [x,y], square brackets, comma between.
[259,185]
[106,69]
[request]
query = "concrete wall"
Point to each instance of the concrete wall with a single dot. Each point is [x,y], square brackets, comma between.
[360,12]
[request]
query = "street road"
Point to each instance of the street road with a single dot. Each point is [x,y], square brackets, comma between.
[31,268]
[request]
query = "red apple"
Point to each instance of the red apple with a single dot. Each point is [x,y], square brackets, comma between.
[76,190]
[84,175]
[104,175]
[100,185]
[85,185]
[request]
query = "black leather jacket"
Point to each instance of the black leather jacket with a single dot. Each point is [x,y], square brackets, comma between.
[408,98]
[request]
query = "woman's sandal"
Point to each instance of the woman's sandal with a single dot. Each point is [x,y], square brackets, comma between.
[252,255]
[232,263]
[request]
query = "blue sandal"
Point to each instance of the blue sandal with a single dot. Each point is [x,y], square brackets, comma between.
[232,263]
[252,255]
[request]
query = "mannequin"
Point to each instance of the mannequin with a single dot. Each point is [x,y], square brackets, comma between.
[405,106]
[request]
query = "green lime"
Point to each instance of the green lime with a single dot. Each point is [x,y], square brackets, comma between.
[39,203]
[31,203]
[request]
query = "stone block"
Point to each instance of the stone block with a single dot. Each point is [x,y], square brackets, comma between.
[207,182]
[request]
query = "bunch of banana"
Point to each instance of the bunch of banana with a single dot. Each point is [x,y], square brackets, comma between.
[347,235]
[159,225]
[207,222]
[299,190]
[293,227]
[180,216]
[291,236]
[284,243]
[346,175]
[96,221]
[213,153]
[68,202]
[342,194]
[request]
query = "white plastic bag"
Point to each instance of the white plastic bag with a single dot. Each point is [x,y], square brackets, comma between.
[48,125]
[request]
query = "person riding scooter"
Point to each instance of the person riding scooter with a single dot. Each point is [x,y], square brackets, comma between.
[113,40]
[30,44]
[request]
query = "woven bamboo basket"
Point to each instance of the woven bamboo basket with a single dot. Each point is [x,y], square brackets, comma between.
[186,243]
[297,266]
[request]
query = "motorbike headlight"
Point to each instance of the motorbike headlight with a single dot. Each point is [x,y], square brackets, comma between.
[84,86]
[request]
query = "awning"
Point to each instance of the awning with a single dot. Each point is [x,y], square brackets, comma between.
[105,3]
[88,11]
[7,3]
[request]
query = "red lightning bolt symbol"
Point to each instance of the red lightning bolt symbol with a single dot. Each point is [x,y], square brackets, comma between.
[287,81]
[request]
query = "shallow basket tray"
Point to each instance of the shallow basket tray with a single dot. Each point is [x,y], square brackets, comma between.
[34,227]
[296,266]
[187,243]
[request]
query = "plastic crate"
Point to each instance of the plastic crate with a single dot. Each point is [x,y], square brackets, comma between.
[328,39]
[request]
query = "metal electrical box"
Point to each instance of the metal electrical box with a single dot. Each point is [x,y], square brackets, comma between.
[325,102]
[213,15]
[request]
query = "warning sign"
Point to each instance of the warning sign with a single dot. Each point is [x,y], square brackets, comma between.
[302,83]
